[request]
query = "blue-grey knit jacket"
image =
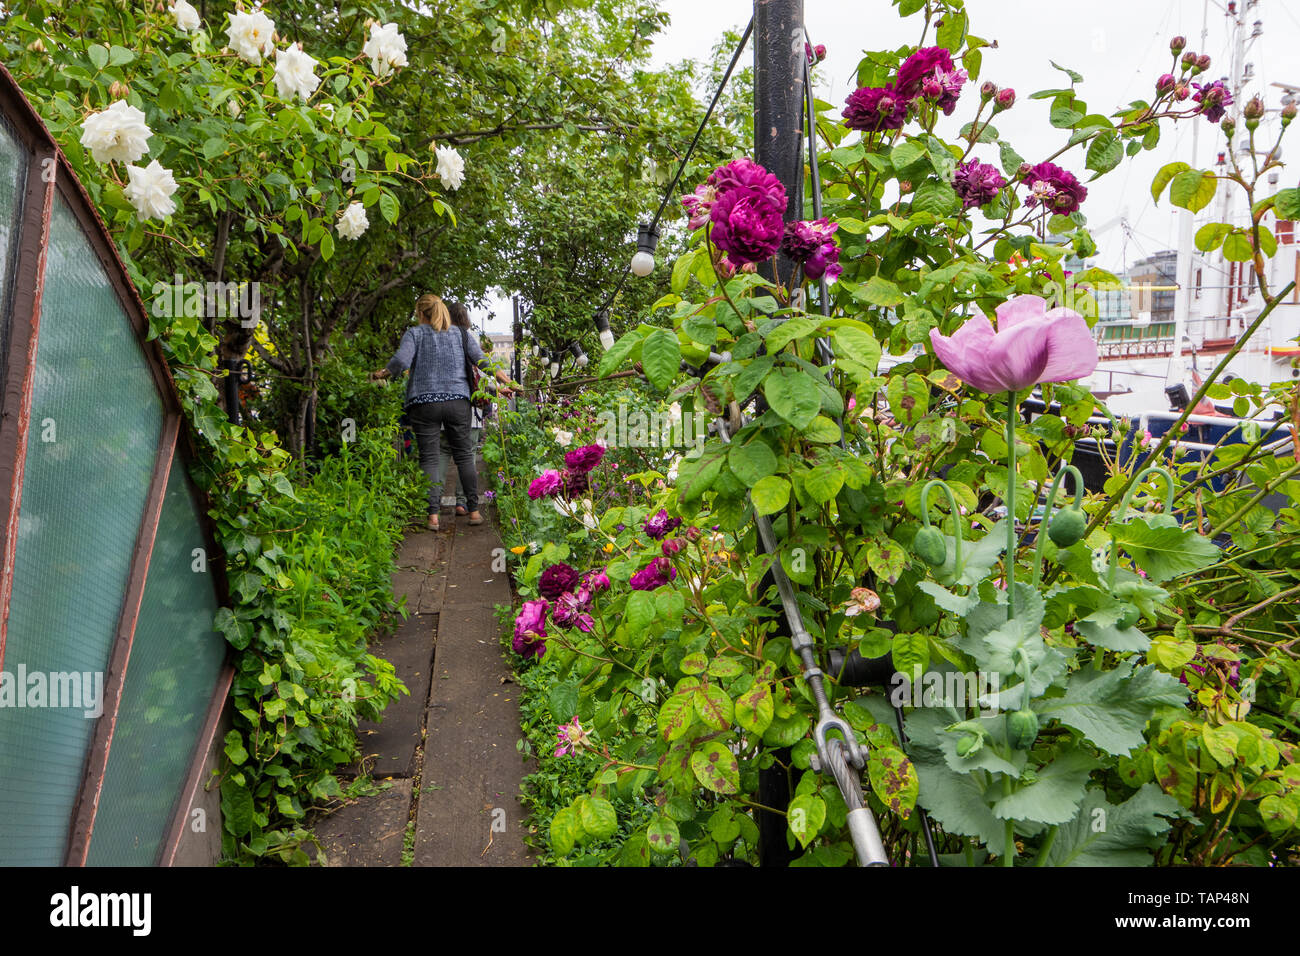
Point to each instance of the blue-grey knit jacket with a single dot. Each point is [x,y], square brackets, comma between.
[436,360]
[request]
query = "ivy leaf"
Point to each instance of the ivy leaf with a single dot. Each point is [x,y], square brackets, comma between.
[793,395]
[1054,797]
[661,357]
[1164,552]
[1111,708]
[1103,834]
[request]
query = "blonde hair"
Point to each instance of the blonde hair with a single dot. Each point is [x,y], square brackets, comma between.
[431,309]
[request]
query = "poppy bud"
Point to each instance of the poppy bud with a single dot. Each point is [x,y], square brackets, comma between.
[1176,45]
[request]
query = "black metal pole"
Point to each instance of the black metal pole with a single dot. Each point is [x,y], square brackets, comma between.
[518,330]
[232,367]
[778,133]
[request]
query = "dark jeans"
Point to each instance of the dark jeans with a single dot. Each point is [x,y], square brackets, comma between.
[428,419]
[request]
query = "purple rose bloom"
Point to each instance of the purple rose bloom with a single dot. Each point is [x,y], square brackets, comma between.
[747,211]
[595,580]
[659,525]
[575,482]
[872,109]
[1214,98]
[813,245]
[925,62]
[530,629]
[655,574]
[1055,188]
[557,579]
[544,485]
[976,183]
[571,611]
[582,460]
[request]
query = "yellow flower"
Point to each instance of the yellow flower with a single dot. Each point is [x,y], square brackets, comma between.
[609,547]
[519,550]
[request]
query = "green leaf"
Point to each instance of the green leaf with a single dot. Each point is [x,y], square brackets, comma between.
[936,197]
[787,332]
[1287,203]
[676,715]
[1011,160]
[98,54]
[598,817]
[327,246]
[752,461]
[563,701]
[909,397]
[566,828]
[388,206]
[754,708]
[1054,795]
[640,611]
[1193,189]
[1164,177]
[1237,247]
[1210,236]
[662,835]
[715,766]
[887,559]
[793,395]
[825,481]
[616,356]
[1074,77]
[661,357]
[893,779]
[911,654]
[695,476]
[1164,552]
[1112,707]
[1063,117]
[235,749]
[807,816]
[880,292]
[770,495]
[1105,153]
[237,807]
[119,55]
[907,153]
[713,706]
[213,147]
[1103,834]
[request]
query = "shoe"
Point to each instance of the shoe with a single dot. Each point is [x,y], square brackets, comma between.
[475,518]
[460,510]
[433,523]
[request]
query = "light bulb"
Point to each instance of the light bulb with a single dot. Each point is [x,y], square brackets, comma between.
[607,338]
[582,360]
[555,369]
[643,264]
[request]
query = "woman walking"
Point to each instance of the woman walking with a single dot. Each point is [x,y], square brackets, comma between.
[437,396]
[460,319]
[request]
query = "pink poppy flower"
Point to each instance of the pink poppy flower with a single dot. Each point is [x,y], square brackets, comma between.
[1029,345]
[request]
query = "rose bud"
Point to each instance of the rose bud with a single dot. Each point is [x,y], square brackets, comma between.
[1165,84]
[119,90]
[1203,62]
[1189,60]
[1176,45]
[1254,108]
[1228,126]
[1006,98]
[1182,91]
[1288,113]
[988,90]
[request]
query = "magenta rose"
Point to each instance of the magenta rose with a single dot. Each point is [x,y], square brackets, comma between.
[557,579]
[655,574]
[747,211]
[544,485]
[582,460]
[1057,189]
[873,109]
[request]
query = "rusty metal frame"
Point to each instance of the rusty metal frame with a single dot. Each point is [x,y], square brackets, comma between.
[49,174]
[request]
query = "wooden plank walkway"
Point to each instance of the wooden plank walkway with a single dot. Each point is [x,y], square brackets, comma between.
[449,750]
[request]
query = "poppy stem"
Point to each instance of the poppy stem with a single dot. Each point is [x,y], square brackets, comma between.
[1010,499]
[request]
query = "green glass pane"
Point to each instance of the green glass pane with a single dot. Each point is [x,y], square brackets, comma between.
[176,658]
[13,171]
[95,424]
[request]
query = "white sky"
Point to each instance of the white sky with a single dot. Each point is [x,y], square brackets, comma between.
[1120,47]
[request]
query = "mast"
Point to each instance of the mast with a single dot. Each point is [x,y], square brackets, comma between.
[1186,225]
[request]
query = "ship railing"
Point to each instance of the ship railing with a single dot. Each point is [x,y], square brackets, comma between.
[1277,446]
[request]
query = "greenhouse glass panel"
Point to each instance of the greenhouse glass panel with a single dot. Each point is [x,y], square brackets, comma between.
[13,171]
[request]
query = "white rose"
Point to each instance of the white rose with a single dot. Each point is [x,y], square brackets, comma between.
[250,35]
[294,73]
[386,48]
[451,167]
[117,134]
[353,222]
[187,18]
[150,190]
